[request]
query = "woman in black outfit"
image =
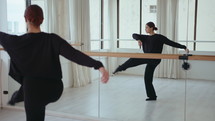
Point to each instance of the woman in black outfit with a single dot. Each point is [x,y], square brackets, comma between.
[152,43]
[35,64]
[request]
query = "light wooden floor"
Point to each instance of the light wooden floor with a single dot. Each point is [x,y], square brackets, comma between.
[123,99]
[19,115]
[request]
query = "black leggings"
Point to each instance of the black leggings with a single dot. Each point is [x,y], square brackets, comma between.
[37,94]
[149,72]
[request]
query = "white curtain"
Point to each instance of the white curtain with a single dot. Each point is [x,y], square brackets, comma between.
[80,30]
[4,57]
[57,17]
[3,13]
[167,11]
[112,32]
[70,19]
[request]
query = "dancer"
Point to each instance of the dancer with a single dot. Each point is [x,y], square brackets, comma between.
[35,64]
[152,43]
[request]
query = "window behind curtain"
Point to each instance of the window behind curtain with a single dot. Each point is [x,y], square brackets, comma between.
[95,24]
[134,14]
[149,13]
[15,15]
[205,25]
[129,22]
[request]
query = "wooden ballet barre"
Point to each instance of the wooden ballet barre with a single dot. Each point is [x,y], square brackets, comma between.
[147,55]
[151,55]
[77,44]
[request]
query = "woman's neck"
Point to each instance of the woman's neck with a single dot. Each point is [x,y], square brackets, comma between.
[33,29]
[152,33]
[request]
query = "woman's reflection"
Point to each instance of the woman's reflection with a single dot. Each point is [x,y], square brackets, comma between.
[152,43]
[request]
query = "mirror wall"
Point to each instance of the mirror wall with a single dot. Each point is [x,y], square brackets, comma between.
[200,91]
[123,98]
[183,95]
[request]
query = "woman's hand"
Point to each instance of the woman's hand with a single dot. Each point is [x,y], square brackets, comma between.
[187,50]
[139,43]
[105,75]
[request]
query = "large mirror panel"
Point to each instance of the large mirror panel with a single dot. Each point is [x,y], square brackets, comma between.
[107,26]
[124,97]
[200,91]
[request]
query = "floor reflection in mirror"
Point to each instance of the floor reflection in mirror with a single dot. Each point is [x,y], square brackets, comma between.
[123,99]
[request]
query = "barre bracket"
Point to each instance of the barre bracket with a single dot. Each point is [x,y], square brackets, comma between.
[185,64]
[184,56]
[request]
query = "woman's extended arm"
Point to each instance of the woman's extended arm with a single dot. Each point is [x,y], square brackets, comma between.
[80,58]
[175,44]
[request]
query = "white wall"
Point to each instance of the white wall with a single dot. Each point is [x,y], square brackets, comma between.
[3,27]
[203,70]
[0,83]
[4,76]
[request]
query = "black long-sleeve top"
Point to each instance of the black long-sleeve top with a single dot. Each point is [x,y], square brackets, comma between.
[154,43]
[37,55]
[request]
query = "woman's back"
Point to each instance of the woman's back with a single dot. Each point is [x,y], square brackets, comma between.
[35,54]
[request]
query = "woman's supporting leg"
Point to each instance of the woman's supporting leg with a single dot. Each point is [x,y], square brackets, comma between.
[39,93]
[149,72]
[33,99]
[34,111]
